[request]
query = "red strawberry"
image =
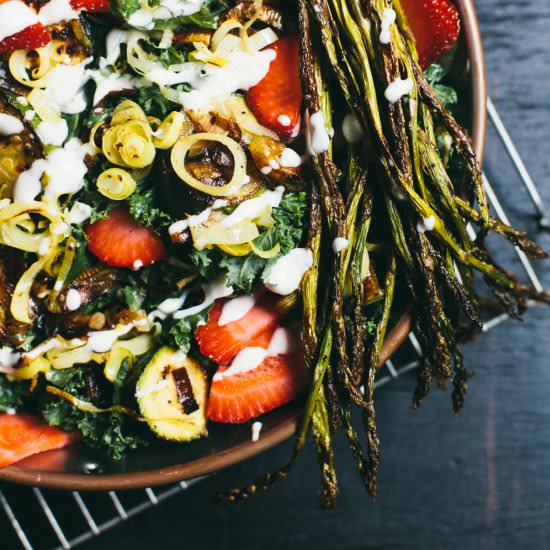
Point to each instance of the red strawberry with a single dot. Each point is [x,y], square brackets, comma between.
[435,25]
[30,38]
[276,100]
[91,6]
[240,397]
[221,344]
[120,241]
[23,435]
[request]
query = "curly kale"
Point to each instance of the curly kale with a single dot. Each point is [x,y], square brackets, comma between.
[243,271]
[12,394]
[206,17]
[109,432]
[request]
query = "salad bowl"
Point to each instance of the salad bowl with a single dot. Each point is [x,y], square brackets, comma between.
[79,468]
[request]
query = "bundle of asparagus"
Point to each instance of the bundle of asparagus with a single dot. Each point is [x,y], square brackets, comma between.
[395,179]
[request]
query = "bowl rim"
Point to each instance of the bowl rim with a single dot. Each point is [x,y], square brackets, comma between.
[286,429]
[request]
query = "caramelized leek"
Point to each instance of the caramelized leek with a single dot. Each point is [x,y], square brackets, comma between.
[116,184]
[169,130]
[179,153]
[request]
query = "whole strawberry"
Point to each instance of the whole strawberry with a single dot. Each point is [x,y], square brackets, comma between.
[435,25]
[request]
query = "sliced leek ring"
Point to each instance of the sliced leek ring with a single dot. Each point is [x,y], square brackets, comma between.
[183,145]
[127,110]
[266,254]
[39,76]
[169,130]
[20,302]
[237,234]
[116,184]
[224,29]
[36,366]
[236,249]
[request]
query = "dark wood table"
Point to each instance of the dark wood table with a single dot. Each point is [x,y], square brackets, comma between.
[478,480]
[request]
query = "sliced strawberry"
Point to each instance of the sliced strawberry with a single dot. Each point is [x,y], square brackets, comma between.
[276,100]
[221,344]
[23,435]
[238,398]
[435,25]
[91,6]
[30,38]
[120,241]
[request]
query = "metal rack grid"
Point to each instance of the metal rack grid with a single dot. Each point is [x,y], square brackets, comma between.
[62,520]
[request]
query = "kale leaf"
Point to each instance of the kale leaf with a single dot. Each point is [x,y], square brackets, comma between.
[154,103]
[434,75]
[243,271]
[142,207]
[12,394]
[181,333]
[109,432]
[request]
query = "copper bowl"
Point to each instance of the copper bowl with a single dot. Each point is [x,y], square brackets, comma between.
[77,468]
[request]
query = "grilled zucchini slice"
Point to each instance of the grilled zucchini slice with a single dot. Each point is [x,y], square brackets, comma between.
[171,393]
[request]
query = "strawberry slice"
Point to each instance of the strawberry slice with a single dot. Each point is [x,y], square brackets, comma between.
[221,344]
[120,241]
[23,435]
[34,36]
[91,6]
[435,25]
[276,100]
[238,398]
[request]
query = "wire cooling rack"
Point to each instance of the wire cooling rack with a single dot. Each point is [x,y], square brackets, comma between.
[50,520]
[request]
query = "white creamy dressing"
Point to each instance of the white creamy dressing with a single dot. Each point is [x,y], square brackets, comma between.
[44,246]
[29,115]
[352,129]
[116,38]
[212,84]
[101,341]
[252,208]
[8,359]
[397,192]
[168,307]
[47,345]
[282,342]
[145,18]
[290,158]
[197,219]
[339,244]
[212,291]
[57,10]
[114,82]
[317,137]
[14,17]
[73,300]
[79,213]
[152,389]
[65,87]
[53,132]
[59,228]
[10,125]
[284,120]
[388,18]
[236,309]
[285,275]
[65,168]
[397,89]
[425,224]
[256,429]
